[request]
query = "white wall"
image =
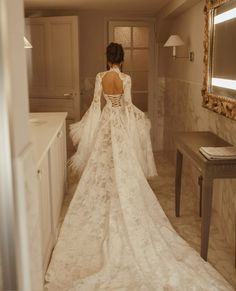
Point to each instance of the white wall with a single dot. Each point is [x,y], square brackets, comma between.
[16,97]
[16,62]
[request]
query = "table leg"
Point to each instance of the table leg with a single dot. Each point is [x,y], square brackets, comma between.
[178,174]
[200,194]
[207,187]
[235,245]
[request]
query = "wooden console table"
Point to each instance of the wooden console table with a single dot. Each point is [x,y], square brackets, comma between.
[188,144]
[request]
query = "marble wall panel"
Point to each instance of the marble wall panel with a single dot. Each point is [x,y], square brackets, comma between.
[183,112]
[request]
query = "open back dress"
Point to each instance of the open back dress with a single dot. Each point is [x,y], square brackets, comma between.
[115,235]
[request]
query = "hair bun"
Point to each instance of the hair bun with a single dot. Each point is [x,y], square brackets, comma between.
[115,53]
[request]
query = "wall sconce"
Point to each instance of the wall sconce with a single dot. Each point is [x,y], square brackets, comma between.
[27,44]
[174,41]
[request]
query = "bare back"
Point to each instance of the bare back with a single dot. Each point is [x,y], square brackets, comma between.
[112,84]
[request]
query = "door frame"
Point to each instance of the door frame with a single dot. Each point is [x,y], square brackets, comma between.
[7,207]
[7,204]
[139,21]
[16,265]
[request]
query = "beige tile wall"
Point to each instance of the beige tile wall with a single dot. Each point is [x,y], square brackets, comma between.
[179,86]
[183,112]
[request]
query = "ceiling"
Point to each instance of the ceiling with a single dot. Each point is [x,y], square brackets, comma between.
[150,7]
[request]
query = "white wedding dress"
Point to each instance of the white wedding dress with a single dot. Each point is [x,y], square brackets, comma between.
[115,235]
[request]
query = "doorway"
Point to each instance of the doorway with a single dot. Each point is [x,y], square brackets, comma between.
[137,39]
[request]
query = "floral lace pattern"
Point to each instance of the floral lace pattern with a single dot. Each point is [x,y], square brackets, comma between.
[115,235]
[137,125]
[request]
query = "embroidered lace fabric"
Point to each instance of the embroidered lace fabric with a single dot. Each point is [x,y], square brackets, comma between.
[115,235]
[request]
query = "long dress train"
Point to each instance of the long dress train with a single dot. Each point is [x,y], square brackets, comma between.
[115,235]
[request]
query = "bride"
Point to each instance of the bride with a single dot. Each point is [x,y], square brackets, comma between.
[115,235]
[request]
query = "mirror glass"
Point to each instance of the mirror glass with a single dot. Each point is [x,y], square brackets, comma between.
[223,48]
[219,79]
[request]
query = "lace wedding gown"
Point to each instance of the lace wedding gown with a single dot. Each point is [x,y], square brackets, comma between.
[115,235]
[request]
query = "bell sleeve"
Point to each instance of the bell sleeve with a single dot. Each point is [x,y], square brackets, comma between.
[83,132]
[139,126]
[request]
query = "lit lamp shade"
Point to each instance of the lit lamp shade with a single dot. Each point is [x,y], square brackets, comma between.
[174,41]
[27,44]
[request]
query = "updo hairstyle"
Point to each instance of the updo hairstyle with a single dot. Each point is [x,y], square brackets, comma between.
[114,54]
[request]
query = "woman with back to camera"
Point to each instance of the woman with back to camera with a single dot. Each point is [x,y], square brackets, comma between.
[115,235]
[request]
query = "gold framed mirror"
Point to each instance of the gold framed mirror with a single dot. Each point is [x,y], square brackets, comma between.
[219,83]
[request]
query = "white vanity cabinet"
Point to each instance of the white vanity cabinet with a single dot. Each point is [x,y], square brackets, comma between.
[57,162]
[45,207]
[48,136]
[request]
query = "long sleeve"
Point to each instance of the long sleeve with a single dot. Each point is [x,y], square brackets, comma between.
[97,90]
[127,91]
[138,126]
[83,132]
[128,103]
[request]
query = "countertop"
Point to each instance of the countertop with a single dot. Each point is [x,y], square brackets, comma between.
[44,127]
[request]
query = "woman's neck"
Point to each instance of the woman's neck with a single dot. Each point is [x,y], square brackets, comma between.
[115,66]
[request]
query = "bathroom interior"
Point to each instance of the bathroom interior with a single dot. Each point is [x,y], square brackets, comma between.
[51,86]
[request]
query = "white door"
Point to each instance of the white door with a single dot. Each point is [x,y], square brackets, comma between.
[38,74]
[137,39]
[20,264]
[53,64]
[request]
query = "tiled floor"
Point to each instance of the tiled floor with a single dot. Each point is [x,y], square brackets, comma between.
[188,225]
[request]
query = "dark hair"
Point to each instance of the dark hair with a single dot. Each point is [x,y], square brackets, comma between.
[114,53]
